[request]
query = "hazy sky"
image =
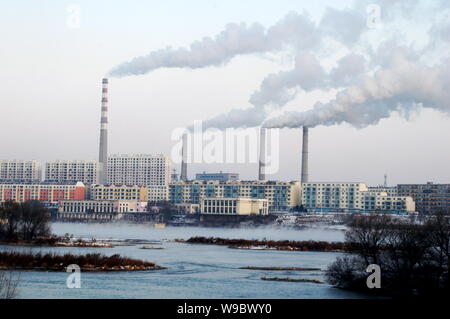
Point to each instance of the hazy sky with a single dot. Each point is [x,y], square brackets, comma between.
[51,73]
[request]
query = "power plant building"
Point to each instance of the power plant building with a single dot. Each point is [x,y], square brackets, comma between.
[73,171]
[139,169]
[20,171]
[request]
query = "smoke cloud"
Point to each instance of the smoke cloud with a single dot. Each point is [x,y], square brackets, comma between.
[296,30]
[375,73]
[396,89]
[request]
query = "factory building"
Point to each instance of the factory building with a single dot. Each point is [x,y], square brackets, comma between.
[140,169]
[221,177]
[47,193]
[20,171]
[119,192]
[429,198]
[280,195]
[234,206]
[73,171]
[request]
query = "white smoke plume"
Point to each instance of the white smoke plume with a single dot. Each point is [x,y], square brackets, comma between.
[373,78]
[297,30]
[402,88]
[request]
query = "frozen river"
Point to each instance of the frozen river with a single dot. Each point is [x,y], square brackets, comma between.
[193,271]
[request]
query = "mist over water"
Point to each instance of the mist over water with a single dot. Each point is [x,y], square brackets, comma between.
[148,232]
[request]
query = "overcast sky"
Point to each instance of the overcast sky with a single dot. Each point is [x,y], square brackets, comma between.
[51,73]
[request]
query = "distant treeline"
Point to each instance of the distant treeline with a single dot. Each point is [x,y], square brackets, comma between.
[413,258]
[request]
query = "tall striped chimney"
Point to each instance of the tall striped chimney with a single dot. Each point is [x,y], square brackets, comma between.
[262,154]
[103,150]
[183,175]
[304,178]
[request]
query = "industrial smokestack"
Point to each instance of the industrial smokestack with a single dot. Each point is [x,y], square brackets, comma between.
[262,154]
[304,178]
[183,175]
[103,150]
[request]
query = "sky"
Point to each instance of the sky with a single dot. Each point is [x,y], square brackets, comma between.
[51,71]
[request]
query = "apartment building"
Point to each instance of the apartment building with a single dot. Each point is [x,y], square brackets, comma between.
[221,177]
[332,196]
[430,198]
[20,171]
[119,192]
[73,171]
[280,195]
[101,206]
[139,169]
[383,202]
[353,197]
[157,193]
[391,191]
[48,193]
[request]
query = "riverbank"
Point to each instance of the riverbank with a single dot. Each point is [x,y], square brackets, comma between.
[281,268]
[310,245]
[59,241]
[10,260]
[193,271]
[288,279]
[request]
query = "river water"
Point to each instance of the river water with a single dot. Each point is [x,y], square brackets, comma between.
[193,271]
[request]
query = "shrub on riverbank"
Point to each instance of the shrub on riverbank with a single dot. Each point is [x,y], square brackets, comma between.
[413,258]
[23,221]
[88,262]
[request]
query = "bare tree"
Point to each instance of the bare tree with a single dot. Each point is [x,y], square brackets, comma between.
[34,220]
[439,226]
[10,219]
[23,221]
[368,234]
[8,285]
[413,257]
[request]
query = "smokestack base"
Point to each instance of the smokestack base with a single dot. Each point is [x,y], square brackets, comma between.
[262,155]
[183,175]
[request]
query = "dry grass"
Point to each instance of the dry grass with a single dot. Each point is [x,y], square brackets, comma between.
[309,245]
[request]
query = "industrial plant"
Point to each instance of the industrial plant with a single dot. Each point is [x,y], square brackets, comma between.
[126,183]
